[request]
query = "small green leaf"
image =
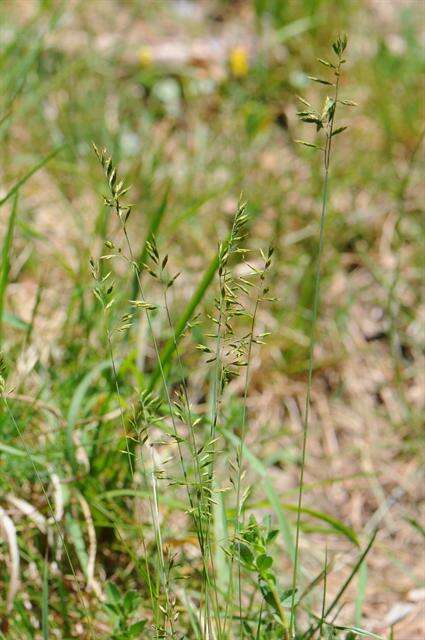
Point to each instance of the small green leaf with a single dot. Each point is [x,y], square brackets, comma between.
[272,535]
[267,594]
[131,599]
[287,594]
[113,593]
[246,554]
[264,562]
[136,629]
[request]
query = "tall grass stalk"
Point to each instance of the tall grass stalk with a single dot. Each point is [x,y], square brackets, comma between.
[198,498]
[103,293]
[117,190]
[177,436]
[250,339]
[225,304]
[324,121]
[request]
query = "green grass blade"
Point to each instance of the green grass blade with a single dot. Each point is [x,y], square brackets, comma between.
[168,500]
[76,536]
[336,524]
[417,526]
[29,174]
[153,228]
[20,453]
[359,632]
[296,28]
[310,633]
[352,574]
[74,408]
[361,594]
[5,262]
[15,321]
[221,535]
[187,314]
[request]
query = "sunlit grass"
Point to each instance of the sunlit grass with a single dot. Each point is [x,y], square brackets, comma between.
[157,355]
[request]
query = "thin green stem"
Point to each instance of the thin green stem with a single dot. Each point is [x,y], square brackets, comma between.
[202,538]
[240,465]
[325,584]
[310,633]
[316,297]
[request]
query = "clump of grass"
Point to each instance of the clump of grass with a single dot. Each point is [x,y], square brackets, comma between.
[196,440]
[247,561]
[168,455]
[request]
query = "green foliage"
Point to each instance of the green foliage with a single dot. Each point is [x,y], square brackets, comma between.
[252,550]
[145,479]
[123,609]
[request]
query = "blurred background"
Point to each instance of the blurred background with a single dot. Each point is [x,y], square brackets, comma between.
[197,102]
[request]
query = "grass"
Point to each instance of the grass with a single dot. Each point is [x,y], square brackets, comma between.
[211,402]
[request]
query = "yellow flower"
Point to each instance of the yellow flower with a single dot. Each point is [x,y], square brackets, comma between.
[145,56]
[238,60]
